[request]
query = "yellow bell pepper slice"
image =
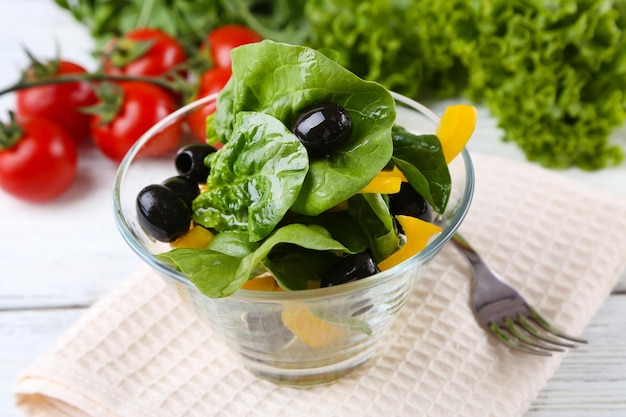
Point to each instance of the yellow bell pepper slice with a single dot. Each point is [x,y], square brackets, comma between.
[418,232]
[383,185]
[395,172]
[385,182]
[262,283]
[196,238]
[455,129]
[312,330]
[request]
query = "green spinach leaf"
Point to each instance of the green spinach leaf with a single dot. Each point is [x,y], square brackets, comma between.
[233,243]
[342,227]
[421,160]
[294,266]
[372,214]
[254,178]
[212,272]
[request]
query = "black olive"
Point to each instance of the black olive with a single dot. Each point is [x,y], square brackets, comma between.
[322,129]
[190,161]
[162,214]
[184,187]
[410,203]
[350,268]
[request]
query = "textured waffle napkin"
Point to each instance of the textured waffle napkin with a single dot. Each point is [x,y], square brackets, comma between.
[138,352]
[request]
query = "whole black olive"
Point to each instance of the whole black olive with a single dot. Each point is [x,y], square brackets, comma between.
[322,129]
[190,161]
[161,213]
[184,187]
[410,203]
[350,268]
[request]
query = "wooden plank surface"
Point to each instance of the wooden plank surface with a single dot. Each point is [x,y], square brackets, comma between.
[59,258]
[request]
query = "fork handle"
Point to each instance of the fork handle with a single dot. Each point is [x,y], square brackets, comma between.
[467,250]
[485,279]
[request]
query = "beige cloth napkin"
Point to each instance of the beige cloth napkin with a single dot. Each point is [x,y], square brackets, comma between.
[138,352]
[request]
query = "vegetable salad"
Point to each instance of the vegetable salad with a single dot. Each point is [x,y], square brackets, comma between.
[270,207]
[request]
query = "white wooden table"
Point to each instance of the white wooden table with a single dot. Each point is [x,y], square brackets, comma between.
[57,259]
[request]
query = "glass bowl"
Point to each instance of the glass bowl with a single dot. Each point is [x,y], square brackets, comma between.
[292,337]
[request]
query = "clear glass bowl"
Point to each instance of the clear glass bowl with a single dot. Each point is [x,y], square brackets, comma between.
[337,327]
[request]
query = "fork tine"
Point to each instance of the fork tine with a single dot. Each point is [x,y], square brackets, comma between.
[539,335]
[515,331]
[503,337]
[547,327]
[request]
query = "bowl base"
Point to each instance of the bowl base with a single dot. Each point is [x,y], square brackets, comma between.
[294,376]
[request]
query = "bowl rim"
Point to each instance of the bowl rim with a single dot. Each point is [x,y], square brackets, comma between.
[303,295]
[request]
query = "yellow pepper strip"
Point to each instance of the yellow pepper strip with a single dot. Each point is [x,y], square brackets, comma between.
[262,283]
[385,182]
[383,185]
[312,330]
[395,172]
[455,129]
[418,233]
[196,238]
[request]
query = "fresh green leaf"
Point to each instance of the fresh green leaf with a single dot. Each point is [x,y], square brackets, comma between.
[373,216]
[212,272]
[233,243]
[294,266]
[421,160]
[254,178]
[342,227]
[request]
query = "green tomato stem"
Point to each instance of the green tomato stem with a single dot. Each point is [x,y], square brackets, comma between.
[10,133]
[62,79]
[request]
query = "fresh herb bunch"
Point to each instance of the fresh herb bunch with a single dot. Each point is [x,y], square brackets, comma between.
[190,20]
[552,72]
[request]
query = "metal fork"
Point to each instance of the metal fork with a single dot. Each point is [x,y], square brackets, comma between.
[504,312]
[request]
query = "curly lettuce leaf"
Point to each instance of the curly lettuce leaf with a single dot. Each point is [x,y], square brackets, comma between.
[553,73]
[388,41]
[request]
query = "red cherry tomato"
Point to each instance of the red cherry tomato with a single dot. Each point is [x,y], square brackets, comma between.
[224,39]
[212,81]
[41,165]
[59,102]
[143,105]
[164,54]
